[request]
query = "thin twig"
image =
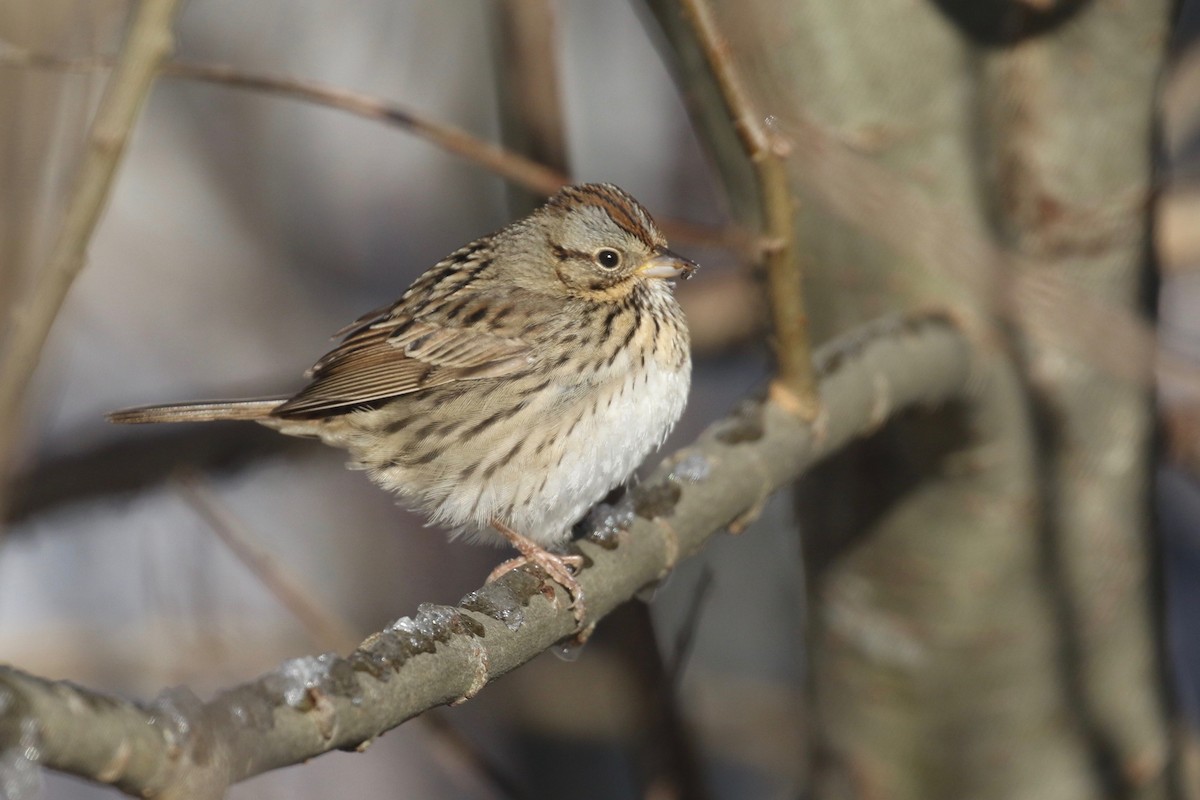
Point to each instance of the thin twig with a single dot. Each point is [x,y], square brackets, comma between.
[147,45]
[665,753]
[134,461]
[687,632]
[183,747]
[456,744]
[326,630]
[795,383]
[505,163]
[510,165]
[530,69]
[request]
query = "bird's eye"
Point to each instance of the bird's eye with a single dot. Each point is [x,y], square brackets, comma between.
[608,258]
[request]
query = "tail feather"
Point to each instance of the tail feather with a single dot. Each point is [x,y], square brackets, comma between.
[201,411]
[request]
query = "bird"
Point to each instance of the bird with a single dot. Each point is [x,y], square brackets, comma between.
[512,386]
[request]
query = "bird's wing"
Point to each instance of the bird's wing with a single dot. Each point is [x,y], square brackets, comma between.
[404,349]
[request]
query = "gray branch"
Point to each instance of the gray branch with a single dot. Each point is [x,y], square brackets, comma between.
[180,747]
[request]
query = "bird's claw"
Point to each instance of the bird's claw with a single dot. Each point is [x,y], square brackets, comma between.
[559,568]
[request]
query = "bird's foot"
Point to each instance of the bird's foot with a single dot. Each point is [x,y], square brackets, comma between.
[559,568]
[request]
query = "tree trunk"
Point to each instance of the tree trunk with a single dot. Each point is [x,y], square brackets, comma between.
[980,577]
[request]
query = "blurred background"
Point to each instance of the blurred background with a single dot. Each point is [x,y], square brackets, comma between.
[243,230]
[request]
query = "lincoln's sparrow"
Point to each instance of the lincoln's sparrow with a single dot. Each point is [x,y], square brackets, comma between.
[514,384]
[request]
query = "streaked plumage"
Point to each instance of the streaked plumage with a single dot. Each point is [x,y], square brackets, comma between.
[519,380]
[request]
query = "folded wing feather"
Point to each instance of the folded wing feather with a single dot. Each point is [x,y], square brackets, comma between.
[395,355]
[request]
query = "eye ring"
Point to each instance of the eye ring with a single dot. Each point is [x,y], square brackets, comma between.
[607,258]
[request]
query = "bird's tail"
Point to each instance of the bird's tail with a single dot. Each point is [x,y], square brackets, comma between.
[201,411]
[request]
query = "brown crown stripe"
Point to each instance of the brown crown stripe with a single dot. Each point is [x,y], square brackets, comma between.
[626,212]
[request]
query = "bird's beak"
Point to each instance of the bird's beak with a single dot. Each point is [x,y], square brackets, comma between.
[667,265]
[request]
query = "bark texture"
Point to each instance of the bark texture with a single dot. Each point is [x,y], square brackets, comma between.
[981,580]
[181,747]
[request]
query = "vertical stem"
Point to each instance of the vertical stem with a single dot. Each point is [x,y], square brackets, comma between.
[1073,221]
[147,44]
[531,110]
[794,385]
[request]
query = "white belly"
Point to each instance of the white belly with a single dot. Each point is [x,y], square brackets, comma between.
[605,450]
[631,416]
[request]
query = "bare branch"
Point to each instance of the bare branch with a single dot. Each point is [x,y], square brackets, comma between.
[880,203]
[132,461]
[325,629]
[180,747]
[795,384]
[504,162]
[679,656]
[148,43]
[526,69]
[508,164]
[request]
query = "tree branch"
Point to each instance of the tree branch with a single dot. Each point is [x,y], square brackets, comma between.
[508,164]
[134,461]
[1072,220]
[324,628]
[795,384]
[181,747]
[146,46]
[532,117]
